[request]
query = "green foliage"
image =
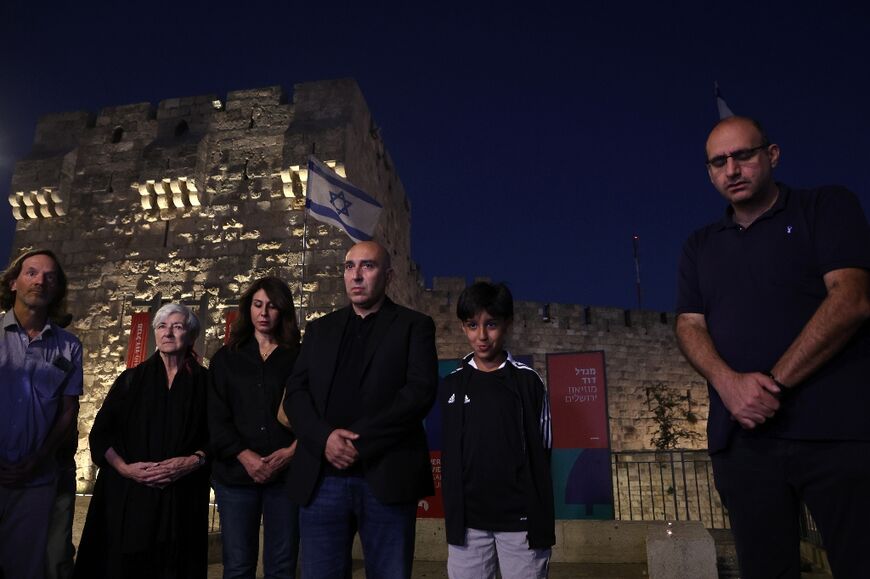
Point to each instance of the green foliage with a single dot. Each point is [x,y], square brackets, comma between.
[671,410]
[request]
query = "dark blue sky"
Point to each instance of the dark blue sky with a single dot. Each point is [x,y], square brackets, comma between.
[533,141]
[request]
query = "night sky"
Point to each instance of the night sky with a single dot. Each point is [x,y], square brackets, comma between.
[532,141]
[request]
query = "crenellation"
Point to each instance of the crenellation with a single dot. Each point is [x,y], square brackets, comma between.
[60,132]
[272,95]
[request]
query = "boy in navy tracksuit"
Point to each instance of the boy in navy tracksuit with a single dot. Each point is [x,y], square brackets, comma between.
[498,491]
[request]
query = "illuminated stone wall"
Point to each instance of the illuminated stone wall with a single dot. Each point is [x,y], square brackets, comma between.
[192,200]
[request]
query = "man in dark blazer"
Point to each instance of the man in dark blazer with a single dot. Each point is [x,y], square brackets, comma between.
[365,379]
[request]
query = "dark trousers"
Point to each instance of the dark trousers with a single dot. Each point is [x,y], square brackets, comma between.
[24,516]
[762,482]
[241,508]
[343,505]
[59,549]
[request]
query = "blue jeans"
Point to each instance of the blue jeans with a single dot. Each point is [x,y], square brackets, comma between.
[341,505]
[240,508]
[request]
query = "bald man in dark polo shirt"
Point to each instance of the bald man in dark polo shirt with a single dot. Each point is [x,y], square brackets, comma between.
[772,311]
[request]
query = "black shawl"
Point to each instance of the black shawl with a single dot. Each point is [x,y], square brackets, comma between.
[133,530]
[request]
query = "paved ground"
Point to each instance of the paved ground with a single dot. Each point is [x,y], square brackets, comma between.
[431,569]
[437,570]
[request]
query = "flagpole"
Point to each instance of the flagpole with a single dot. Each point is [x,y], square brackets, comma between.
[300,313]
[634,242]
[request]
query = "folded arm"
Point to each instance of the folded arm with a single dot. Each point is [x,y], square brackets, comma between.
[842,313]
[750,397]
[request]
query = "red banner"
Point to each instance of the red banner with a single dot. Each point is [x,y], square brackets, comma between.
[137,348]
[578,400]
[433,507]
[230,316]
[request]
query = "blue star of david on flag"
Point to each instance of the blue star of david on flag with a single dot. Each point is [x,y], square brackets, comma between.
[336,201]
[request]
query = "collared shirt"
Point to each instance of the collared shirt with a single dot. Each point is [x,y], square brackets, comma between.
[244,394]
[345,399]
[345,404]
[757,288]
[34,376]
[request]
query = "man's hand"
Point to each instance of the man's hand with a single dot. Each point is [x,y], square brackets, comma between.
[256,466]
[279,459]
[750,398]
[18,473]
[340,451]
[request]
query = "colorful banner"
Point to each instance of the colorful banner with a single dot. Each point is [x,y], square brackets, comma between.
[433,507]
[137,347]
[583,487]
[578,400]
[230,316]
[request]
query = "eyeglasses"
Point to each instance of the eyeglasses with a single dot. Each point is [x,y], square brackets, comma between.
[741,156]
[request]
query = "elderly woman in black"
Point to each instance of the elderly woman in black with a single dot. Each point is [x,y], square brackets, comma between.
[252,449]
[149,513]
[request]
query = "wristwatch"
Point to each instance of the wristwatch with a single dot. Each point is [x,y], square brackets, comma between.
[782,386]
[200,458]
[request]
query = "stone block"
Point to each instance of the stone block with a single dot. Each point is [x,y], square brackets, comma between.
[680,550]
[601,542]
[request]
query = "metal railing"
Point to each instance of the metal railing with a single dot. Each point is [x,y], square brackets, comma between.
[676,486]
[666,486]
[214,520]
[809,530]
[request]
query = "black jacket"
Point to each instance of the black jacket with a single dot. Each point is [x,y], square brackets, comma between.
[133,530]
[398,387]
[244,394]
[533,418]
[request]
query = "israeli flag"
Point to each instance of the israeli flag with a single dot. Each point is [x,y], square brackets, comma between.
[334,200]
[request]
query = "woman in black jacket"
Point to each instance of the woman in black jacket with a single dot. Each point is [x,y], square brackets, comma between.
[252,449]
[149,513]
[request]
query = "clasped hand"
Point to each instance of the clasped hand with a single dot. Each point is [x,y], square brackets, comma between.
[264,468]
[340,451]
[751,398]
[162,473]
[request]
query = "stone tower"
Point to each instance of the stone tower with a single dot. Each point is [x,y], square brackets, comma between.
[191,201]
[194,199]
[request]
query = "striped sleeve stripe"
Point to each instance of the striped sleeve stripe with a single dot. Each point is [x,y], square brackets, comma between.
[546,422]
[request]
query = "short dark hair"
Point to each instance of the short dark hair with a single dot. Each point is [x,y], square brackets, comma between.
[287,334]
[56,309]
[493,298]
